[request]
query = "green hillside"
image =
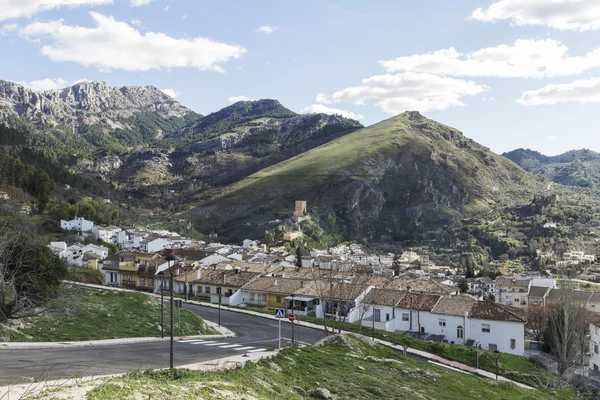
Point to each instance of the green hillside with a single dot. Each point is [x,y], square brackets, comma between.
[574,168]
[402,177]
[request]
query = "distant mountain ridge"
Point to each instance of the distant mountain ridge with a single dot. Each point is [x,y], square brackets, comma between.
[573,168]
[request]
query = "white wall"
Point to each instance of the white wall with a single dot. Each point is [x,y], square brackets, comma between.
[501,332]
[594,341]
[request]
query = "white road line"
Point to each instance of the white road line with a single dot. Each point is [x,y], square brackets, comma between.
[215,344]
[229,346]
[190,341]
[257,350]
[204,342]
[245,348]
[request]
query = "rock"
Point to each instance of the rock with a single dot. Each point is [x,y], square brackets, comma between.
[299,390]
[322,393]
[361,367]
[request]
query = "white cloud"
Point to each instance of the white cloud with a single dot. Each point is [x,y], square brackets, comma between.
[235,99]
[166,8]
[552,137]
[266,29]
[136,21]
[579,15]
[321,109]
[26,8]
[579,91]
[409,91]
[45,84]
[117,45]
[524,59]
[138,3]
[170,92]
[184,16]
[7,28]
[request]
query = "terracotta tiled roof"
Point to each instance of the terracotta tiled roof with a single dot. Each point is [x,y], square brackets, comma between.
[419,301]
[383,297]
[454,305]
[497,312]
[576,295]
[274,285]
[538,291]
[415,285]
[594,319]
[510,281]
[233,278]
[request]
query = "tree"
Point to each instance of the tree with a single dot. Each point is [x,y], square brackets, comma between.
[396,266]
[463,286]
[536,321]
[30,275]
[566,330]
[298,257]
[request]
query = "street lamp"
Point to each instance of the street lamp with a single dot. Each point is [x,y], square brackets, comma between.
[162,306]
[219,293]
[171,258]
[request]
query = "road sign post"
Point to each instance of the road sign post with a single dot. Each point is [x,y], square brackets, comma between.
[292,318]
[279,314]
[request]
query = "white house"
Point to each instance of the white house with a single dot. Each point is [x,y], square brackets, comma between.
[74,255]
[77,224]
[106,233]
[594,326]
[450,319]
[155,245]
[100,251]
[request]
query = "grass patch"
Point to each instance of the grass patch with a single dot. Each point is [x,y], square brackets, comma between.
[85,275]
[510,366]
[349,367]
[81,314]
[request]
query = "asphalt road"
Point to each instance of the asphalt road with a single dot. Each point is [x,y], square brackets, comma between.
[253,334]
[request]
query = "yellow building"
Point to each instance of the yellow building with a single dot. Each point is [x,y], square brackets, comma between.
[270,292]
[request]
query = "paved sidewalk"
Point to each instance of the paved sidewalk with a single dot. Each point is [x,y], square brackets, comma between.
[34,388]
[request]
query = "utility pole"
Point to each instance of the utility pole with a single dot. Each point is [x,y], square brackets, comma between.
[373,331]
[162,306]
[219,293]
[171,259]
[293,341]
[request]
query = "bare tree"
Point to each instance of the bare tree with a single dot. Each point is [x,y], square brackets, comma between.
[536,321]
[566,330]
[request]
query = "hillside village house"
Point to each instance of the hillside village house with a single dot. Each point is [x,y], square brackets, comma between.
[4,196]
[77,224]
[207,283]
[120,269]
[451,319]
[594,354]
[538,295]
[512,291]
[107,234]
[269,292]
[25,210]
[90,260]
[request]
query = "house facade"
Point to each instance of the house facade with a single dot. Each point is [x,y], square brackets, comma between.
[511,291]
[77,224]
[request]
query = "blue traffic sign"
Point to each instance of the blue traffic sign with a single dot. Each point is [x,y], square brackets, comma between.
[279,313]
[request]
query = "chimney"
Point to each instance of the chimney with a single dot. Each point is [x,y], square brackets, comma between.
[275,283]
[197,274]
[301,284]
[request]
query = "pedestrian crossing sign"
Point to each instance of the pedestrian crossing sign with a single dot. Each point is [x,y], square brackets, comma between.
[279,313]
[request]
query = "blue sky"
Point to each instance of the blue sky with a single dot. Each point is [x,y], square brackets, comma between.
[508,73]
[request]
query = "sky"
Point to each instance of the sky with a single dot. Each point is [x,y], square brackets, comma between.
[507,73]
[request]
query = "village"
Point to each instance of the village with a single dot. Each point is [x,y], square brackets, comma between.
[404,293]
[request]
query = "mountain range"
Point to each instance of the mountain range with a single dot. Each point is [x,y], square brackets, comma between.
[574,168]
[238,171]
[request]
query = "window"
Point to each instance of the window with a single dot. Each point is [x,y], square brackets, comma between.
[278,299]
[442,322]
[596,348]
[207,289]
[523,302]
[513,343]
[597,330]
[492,347]
[251,296]
[593,306]
[516,300]
[377,314]
[142,281]
[405,317]
[595,368]
[387,317]
[485,328]
[460,333]
[150,282]
[422,329]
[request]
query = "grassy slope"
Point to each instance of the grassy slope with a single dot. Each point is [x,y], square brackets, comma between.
[510,366]
[96,315]
[407,161]
[344,365]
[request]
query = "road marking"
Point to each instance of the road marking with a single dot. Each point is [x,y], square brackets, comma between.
[214,344]
[245,348]
[214,341]
[257,350]
[229,346]
[190,341]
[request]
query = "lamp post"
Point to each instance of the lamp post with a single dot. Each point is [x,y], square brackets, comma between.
[162,306]
[219,293]
[171,259]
